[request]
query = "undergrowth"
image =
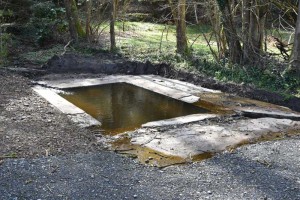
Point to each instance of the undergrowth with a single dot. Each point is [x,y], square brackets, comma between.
[42,56]
[268,78]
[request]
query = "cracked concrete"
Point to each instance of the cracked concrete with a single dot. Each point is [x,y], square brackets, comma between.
[195,139]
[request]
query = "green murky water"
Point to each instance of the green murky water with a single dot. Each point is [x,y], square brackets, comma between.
[122,107]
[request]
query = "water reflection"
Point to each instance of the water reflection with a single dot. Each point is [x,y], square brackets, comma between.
[121,107]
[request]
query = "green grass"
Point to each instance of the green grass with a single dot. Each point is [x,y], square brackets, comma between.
[157,42]
[42,56]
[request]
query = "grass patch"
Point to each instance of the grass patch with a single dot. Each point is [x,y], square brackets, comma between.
[42,56]
[157,42]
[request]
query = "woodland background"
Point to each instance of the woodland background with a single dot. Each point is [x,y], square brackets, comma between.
[253,42]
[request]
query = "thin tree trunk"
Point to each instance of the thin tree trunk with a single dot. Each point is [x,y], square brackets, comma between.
[88,19]
[196,14]
[214,15]
[295,62]
[72,26]
[112,25]
[126,4]
[245,29]
[181,37]
[75,16]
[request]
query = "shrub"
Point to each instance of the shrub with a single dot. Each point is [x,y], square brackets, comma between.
[48,21]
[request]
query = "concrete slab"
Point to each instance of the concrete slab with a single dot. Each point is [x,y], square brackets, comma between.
[179,120]
[249,107]
[160,89]
[195,139]
[59,102]
[179,85]
[262,112]
[76,114]
[73,83]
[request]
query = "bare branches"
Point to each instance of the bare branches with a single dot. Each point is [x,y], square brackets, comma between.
[211,49]
[65,47]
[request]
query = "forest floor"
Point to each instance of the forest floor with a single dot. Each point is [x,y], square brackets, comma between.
[43,155]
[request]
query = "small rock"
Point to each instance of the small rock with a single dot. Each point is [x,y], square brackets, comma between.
[209,192]
[135,196]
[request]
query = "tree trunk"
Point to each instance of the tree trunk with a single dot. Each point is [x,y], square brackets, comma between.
[112,25]
[295,62]
[233,42]
[181,37]
[178,10]
[72,26]
[245,29]
[76,19]
[214,16]
[88,19]
[254,17]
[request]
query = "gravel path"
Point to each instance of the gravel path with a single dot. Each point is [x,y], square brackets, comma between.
[268,170]
[78,168]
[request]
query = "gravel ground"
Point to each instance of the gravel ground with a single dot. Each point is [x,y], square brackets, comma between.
[267,170]
[30,127]
[58,160]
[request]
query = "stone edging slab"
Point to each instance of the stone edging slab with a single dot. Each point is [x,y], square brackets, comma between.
[73,112]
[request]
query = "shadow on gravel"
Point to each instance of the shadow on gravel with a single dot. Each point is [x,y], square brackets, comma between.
[275,181]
